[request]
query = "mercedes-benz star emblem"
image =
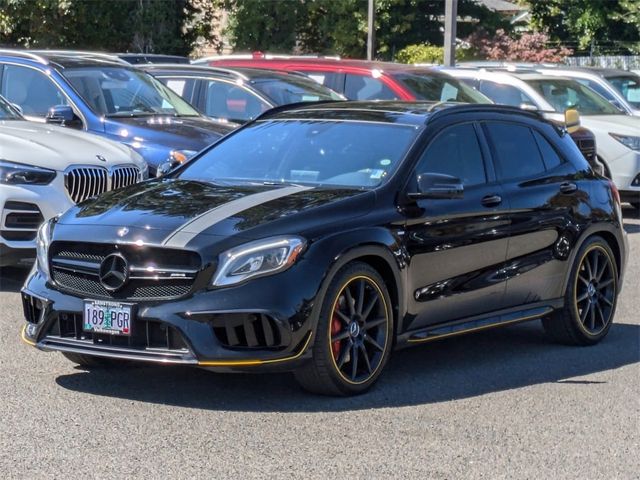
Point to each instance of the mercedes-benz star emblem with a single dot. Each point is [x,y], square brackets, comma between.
[114,272]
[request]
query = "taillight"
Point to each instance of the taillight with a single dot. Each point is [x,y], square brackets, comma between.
[615,192]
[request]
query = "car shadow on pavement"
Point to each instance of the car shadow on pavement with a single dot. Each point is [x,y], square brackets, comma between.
[451,369]
[12,278]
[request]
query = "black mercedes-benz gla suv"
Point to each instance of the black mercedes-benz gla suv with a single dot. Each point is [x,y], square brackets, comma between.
[318,238]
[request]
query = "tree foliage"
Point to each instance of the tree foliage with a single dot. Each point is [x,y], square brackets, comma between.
[167,26]
[528,47]
[425,53]
[598,26]
[340,26]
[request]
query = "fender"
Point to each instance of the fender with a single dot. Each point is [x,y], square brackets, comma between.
[340,249]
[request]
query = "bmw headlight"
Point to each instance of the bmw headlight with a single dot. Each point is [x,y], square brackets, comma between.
[256,259]
[628,141]
[13,173]
[43,239]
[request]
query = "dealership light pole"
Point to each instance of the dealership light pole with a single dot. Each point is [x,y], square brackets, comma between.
[450,17]
[371,33]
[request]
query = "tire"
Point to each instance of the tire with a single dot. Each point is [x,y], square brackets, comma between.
[354,334]
[91,361]
[590,299]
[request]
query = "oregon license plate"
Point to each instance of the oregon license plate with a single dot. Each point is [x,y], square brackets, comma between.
[113,318]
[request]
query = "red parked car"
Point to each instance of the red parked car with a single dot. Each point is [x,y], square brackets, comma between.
[361,79]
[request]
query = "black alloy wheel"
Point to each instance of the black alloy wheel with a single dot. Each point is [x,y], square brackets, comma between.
[590,299]
[354,334]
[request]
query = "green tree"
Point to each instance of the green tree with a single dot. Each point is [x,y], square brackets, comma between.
[597,26]
[167,26]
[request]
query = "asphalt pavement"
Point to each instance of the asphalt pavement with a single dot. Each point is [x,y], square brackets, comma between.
[498,404]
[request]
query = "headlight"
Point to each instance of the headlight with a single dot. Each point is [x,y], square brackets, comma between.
[256,259]
[628,141]
[18,174]
[43,239]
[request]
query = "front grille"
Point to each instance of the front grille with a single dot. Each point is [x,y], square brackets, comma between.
[20,220]
[145,334]
[154,273]
[86,182]
[245,330]
[124,176]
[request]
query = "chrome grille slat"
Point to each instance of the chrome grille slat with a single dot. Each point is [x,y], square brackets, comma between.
[84,182]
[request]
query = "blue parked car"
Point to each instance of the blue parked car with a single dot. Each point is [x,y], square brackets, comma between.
[104,95]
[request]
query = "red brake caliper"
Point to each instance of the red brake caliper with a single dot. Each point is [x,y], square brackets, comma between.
[336,326]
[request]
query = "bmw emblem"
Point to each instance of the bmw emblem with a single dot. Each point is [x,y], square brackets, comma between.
[101,158]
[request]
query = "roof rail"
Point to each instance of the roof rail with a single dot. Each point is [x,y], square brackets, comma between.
[262,56]
[24,54]
[82,53]
[485,107]
[178,66]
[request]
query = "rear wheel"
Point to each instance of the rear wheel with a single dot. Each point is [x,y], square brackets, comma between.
[91,361]
[353,337]
[590,299]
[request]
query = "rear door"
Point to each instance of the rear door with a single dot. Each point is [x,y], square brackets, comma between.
[457,247]
[547,197]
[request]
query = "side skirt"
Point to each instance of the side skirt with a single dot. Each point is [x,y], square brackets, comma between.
[477,323]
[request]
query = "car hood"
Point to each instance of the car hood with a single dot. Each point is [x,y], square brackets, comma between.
[179,213]
[621,124]
[56,148]
[178,133]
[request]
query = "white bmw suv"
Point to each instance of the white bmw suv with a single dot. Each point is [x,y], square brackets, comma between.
[45,169]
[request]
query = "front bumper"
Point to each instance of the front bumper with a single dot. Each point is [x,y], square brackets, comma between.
[189,331]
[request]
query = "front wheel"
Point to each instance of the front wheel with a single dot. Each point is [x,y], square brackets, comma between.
[590,299]
[353,336]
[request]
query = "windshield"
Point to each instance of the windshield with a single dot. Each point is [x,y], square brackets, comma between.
[568,94]
[439,88]
[629,87]
[292,89]
[117,92]
[7,112]
[317,152]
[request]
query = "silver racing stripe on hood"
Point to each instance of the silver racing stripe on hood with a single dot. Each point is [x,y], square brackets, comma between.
[181,236]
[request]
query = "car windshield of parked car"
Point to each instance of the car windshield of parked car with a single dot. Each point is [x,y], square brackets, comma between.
[291,89]
[7,112]
[439,88]
[316,152]
[124,92]
[629,87]
[564,94]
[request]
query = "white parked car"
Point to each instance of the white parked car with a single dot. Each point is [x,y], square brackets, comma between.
[617,134]
[46,169]
[620,87]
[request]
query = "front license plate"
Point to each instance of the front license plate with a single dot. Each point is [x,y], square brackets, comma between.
[113,318]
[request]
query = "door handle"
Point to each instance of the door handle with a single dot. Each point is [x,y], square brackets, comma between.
[568,187]
[491,200]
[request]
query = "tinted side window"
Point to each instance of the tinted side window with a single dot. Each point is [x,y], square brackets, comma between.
[359,87]
[456,152]
[550,157]
[32,90]
[516,150]
[225,100]
[504,94]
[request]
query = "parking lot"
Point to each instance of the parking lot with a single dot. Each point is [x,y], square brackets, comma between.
[498,404]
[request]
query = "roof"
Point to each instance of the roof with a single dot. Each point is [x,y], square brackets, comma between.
[144,58]
[66,58]
[602,72]
[412,113]
[245,73]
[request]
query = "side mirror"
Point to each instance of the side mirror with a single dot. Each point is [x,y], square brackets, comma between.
[164,168]
[571,120]
[529,107]
[64,116]
[437,185]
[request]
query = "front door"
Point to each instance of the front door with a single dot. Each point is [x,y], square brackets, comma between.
[457,247]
